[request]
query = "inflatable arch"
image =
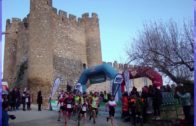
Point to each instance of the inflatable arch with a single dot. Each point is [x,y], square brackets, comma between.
[140,71]
[97,74]
[101,72]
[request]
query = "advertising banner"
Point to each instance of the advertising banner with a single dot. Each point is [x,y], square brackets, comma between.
[55,86]
[78,87]
[127,81]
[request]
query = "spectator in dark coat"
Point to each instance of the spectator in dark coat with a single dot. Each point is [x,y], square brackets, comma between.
[157,101]
[28,100]
[134,92]
[18,99]
[168,88]
[13,99]
[144,96]
[24,100]
[39,100]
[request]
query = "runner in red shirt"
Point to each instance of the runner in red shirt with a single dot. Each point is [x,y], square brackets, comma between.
[68,104]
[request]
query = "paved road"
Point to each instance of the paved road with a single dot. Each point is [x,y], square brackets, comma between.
[49,118]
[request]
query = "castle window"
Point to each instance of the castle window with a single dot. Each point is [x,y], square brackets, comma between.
[26,25]
[84,66]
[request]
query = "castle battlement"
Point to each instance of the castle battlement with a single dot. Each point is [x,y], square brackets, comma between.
[86,16]
[18,22]
[72,18]
[65,17]
[13,20]
[54,10]
[77,21]
[62,13]
[120,66]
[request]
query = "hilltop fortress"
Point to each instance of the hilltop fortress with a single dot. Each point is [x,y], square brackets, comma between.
[46,45]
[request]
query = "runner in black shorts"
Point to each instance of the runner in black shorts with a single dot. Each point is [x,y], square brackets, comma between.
[83,110]
[111,105]
[94,105]
[62,108]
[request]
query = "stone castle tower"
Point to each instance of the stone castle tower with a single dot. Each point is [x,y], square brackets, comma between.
[47,45]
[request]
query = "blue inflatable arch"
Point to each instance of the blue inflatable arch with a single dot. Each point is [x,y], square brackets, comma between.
[103,69]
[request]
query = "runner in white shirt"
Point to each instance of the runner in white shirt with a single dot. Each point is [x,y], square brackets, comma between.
[83,110]
[111,104]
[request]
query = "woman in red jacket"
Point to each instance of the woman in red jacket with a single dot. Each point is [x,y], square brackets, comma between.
[125,106]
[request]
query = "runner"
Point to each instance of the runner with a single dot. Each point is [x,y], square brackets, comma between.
[111,105]
[77,102]
[62,108]
[89,101]
[83,110]
[94,105]
[68,104]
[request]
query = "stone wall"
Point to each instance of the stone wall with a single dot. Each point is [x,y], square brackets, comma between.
[50,44]
[68,37]
[40,53]
[68,70]
[16,46]
[93,46]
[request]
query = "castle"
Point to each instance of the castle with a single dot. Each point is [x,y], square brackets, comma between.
[46,45]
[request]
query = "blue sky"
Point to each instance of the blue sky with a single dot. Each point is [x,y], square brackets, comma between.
[120,20]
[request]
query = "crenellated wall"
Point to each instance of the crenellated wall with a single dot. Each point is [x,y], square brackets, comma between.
[51,44]
[120,66]
[15,49]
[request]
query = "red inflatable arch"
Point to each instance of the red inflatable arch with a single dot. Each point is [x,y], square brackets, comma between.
[137,72]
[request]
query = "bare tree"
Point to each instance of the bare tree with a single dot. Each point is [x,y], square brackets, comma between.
[166,47]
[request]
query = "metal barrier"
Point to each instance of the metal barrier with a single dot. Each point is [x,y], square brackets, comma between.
[170,103]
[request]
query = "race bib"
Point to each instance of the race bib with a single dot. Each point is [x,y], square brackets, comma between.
[27,100]
[84,108]
[68,105]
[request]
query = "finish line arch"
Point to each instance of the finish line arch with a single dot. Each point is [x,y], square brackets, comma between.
[141,71]
[97,74]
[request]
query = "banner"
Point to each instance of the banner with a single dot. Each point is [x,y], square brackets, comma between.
[55,86]
[79,87]
[54,105]
[5,88]
[117,83]
[127,81]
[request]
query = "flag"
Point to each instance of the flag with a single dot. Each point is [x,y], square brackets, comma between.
[127,81]
[55,86]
